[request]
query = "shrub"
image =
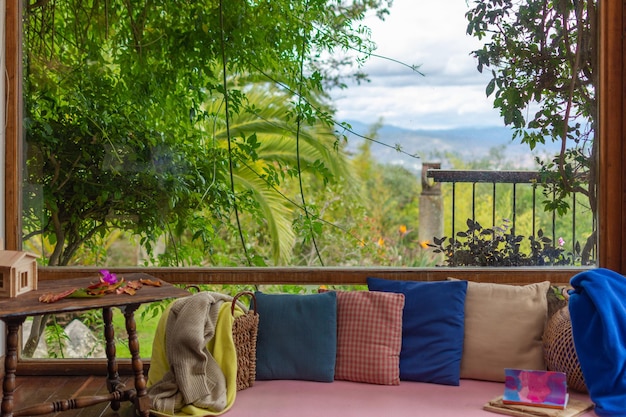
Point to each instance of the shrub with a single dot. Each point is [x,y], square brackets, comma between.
[499,246]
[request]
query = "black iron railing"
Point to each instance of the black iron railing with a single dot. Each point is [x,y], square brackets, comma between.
[516,179]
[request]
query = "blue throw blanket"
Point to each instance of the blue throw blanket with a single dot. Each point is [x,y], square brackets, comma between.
[597,308]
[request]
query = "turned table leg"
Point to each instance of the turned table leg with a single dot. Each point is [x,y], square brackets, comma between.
[113,378]
[142,401]
[10,366]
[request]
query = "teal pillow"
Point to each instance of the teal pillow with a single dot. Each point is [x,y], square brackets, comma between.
[297,336]
[433,325]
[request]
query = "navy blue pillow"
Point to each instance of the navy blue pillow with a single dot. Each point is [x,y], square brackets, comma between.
[433,325]
[297,336]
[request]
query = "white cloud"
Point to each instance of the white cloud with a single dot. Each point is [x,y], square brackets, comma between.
[451,93]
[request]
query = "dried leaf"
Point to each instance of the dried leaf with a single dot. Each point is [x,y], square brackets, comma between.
[54,297]
[127,290]
[101,288]
[134,284]
[83,293]
[152,283]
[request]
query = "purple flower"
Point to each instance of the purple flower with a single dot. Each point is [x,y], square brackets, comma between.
[108,277]
[561,241]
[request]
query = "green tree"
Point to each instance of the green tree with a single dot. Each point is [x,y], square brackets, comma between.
[542,56]
[265,156]
[120,107]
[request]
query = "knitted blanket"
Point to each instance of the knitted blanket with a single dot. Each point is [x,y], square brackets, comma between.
[598,312]
[184,374]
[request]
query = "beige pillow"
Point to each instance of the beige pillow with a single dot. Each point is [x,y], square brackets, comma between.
[504,326]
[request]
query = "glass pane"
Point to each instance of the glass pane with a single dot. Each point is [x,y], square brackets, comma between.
[251,135]
[81,335]
[133,160]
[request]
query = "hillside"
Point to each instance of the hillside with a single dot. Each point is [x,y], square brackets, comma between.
[471,143]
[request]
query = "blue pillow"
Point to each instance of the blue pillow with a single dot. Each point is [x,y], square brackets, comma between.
[433,325]
[297,336]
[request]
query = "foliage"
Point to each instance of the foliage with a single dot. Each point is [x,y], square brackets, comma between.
[380,227]
[478,246]
[140,117]
[543,61]
[56,339]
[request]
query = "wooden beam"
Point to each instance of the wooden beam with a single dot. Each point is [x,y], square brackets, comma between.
[323,275]
[611,135]
[13,131]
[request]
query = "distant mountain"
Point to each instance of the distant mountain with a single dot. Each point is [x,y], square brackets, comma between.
[470,143]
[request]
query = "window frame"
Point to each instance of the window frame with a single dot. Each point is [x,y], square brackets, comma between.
[611,131]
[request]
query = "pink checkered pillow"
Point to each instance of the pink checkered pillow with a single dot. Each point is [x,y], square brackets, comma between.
[369,336]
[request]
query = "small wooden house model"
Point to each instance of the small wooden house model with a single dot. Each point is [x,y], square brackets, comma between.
[18,273]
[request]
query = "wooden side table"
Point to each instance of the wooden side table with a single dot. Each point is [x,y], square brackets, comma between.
[13,311]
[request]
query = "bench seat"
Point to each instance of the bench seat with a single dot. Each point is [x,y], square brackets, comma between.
[280,398]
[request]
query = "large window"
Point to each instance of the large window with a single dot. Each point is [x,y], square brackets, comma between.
[204,136]
[138,204]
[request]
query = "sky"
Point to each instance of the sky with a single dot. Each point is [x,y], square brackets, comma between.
[450,94]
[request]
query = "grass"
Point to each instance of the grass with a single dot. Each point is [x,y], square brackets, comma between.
[146,319]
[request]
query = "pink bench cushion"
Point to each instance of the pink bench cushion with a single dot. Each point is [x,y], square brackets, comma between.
[352,399]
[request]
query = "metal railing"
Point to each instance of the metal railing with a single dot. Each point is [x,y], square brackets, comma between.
[516,179]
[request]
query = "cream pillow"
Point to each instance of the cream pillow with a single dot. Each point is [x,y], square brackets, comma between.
[504,327]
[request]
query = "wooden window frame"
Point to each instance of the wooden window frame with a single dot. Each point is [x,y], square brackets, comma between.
[611,132]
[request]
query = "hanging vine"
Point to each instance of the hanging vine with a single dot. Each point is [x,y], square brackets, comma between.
[228,135]
[298,126]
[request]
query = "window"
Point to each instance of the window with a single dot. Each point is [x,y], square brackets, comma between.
[612,174]
[124,145]
[24,279]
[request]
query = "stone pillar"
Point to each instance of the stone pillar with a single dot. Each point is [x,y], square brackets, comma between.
[430,209]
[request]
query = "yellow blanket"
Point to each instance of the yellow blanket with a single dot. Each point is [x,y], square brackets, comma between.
[221,347]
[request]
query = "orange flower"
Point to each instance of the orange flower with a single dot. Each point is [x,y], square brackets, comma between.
[381,242]
[424,244]
[402,230]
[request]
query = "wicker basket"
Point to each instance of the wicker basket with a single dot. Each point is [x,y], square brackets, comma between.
[559,351]
[245,330]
